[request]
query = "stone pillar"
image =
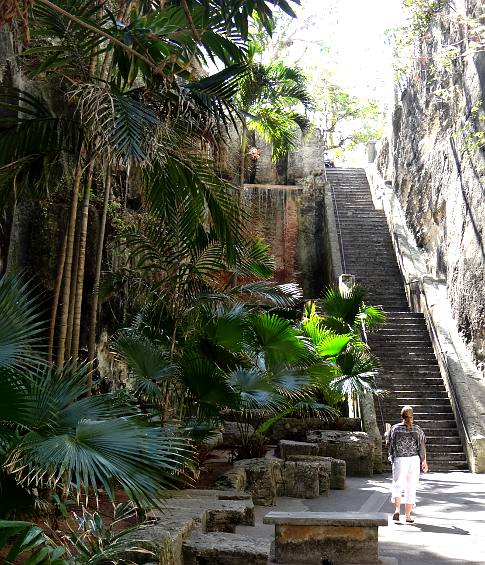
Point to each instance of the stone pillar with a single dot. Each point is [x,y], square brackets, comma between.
[371,151]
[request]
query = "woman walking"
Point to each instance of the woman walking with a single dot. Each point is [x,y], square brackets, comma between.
[407,453]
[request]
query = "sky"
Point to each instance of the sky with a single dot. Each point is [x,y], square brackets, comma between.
[354,31]
[348,40]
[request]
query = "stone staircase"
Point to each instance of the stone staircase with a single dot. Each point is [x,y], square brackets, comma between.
[408,367]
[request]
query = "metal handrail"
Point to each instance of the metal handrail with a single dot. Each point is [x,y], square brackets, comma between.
[339,229]
[449,380]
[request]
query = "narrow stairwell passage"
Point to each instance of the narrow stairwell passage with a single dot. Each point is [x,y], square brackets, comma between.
[408,367]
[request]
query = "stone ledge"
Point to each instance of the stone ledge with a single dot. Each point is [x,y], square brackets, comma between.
[224,549]
[349,519]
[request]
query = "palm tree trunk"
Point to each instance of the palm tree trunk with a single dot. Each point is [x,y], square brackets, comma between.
[55,298]
[242,157]
[97,278]
[72,293]
[68,263]
[83,234]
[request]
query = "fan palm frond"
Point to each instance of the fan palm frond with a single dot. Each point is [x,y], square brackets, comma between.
[84,442]
[357,369]
[275,340]
[255,390]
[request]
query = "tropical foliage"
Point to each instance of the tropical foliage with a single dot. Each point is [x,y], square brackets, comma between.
[53,436]
[337,325]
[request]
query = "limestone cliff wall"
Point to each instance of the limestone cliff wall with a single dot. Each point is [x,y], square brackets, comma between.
[435,160]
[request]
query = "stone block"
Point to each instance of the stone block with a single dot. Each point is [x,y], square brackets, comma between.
[355,448]
[227,514]
[225,549]
[338,537]
[300,479]
[338,472]
[263,479]
[233,479]
[288,447]
[324,469]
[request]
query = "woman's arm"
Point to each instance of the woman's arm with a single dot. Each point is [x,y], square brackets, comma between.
[422,451]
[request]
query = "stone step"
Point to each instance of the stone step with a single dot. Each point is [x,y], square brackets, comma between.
[416,371]
[419,390]
[409,339]
[418,397]
[439,448]
[444,440]
[440,403]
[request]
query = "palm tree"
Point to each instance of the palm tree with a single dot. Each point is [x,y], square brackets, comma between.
[133,101]
[270,101]
[337,326]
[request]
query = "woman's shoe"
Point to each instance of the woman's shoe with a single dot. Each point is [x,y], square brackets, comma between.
[409,520]
[395,516]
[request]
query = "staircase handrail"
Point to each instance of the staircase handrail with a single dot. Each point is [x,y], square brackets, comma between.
[339,229]
[444,360]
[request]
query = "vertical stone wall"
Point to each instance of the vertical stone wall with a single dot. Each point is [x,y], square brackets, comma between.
[291,221]
[435,160]
[307,159]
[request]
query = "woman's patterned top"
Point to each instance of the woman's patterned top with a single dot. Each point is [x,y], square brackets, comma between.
[406,442]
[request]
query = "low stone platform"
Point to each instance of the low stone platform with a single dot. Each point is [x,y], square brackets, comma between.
[225,549]
[183,513]
[338,537]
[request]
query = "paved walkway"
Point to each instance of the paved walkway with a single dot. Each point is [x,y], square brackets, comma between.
[449,526]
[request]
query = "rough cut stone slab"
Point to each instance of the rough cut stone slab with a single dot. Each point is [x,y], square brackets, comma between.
[162,542]
[350,519]
[231,432]
[300,479]
[225,549]
[337,468]
[355,448]
[295,429]
[313,537]
[228,514]
[183,512]
[288,448]
[233,479]
[263,479]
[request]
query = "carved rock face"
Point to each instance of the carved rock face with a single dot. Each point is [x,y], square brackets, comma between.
[436,161]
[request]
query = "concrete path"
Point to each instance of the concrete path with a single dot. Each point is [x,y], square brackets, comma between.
[449,526]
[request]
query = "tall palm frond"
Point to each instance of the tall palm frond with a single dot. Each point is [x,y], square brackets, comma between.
[33,138]
[116,122]
[268,293]
[22,323]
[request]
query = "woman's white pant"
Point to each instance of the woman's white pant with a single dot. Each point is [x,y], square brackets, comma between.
[405,478]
